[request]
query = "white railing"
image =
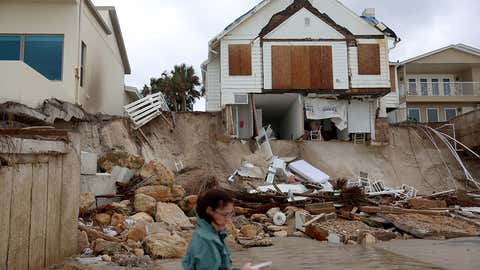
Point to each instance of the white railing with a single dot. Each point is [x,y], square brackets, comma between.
[442,89]
[144,110]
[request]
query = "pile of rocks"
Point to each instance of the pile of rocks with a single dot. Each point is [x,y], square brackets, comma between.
[151,224]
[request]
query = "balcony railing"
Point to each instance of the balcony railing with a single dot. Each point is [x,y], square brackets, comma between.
[442,89]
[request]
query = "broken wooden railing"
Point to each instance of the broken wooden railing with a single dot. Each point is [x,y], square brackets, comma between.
[146,109]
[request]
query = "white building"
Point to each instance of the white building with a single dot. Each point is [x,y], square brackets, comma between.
[64,49]
[288,63]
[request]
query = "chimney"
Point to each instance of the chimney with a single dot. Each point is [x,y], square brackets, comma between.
[369,12]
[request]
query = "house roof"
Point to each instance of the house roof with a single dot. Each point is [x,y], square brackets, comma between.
[118,36]
[460,47]
[255,10]
[296,6]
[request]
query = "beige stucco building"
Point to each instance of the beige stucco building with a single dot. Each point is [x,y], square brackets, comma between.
[439,85]
[64,49]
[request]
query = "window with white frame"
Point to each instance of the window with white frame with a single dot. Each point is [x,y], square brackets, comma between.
[432,115]
[450,113]
[447,88]
[414,114]
[412,87]
[435,87]
[424,87]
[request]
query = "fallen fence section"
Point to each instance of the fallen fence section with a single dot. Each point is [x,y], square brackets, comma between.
[39,197]
[146,109]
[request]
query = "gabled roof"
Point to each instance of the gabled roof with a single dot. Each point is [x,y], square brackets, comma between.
[296,6]
[118,36]
[460,47]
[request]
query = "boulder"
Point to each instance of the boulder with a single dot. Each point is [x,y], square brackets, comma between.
[121,159]
[189,203]
[102,219]
[102,246]
[117,219]
[368,239]
[231,230]
[165,246]
[83,242]
[139,252]
[159,173]
[172,215]
[272,212]
[250,230]
[137,232]
[262,218]
[178,193]
[280,234]
[87,201]
[145,203]
[159,193]
[123,207]
[139,217]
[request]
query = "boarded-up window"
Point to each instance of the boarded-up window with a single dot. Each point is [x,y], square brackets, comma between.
[368,59]
[302,67]
[392,78]
[240,59]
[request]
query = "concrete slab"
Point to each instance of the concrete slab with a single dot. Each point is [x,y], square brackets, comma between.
[100,184]
[121,174]
[88,163]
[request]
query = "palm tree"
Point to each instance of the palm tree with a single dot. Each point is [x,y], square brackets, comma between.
[178,86]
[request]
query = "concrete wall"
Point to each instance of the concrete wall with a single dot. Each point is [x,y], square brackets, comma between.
[39,202]
[104,88]
[21,83]
[293,123]
[467,128]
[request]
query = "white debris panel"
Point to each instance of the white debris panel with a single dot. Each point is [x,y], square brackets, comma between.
[318,109]
[310,173]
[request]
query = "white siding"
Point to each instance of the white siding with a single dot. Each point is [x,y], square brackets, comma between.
[295,28]
[240,84]
[370,81]
[213,86]
[339,59]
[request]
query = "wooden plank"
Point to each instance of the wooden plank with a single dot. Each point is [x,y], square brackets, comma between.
[38,216]
[18,244]
[6,179]
[234,64]
[326,64]
[369,59]
[315,67]
[300,67]
[52,255]
[245,59]
[28,146]
[70,198]
[281,67]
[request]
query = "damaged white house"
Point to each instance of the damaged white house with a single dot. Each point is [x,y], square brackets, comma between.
[70,50]
[302,67]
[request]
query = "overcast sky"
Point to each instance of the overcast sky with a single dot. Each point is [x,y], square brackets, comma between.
[161,33]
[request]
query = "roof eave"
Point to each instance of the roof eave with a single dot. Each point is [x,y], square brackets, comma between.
[460,47]
[98,17]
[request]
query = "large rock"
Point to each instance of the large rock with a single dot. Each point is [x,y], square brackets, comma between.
[178,193]
[87,201]
[172,215]
[251,230]
[189,203]
[139,217]
[106,247]
[145,203]
[159,193]
[137,232]
[123,207]
[83,242]
[157,173]
[121,159]
[103,219]
[165,246]
[117,219]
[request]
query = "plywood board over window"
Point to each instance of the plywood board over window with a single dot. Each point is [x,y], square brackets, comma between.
[392,78]
[302,68]
[368,59]
[240,59]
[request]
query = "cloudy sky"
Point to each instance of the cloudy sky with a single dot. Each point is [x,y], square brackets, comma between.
[161,33]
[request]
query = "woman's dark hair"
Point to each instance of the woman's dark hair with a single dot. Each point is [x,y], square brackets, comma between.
[213,198]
